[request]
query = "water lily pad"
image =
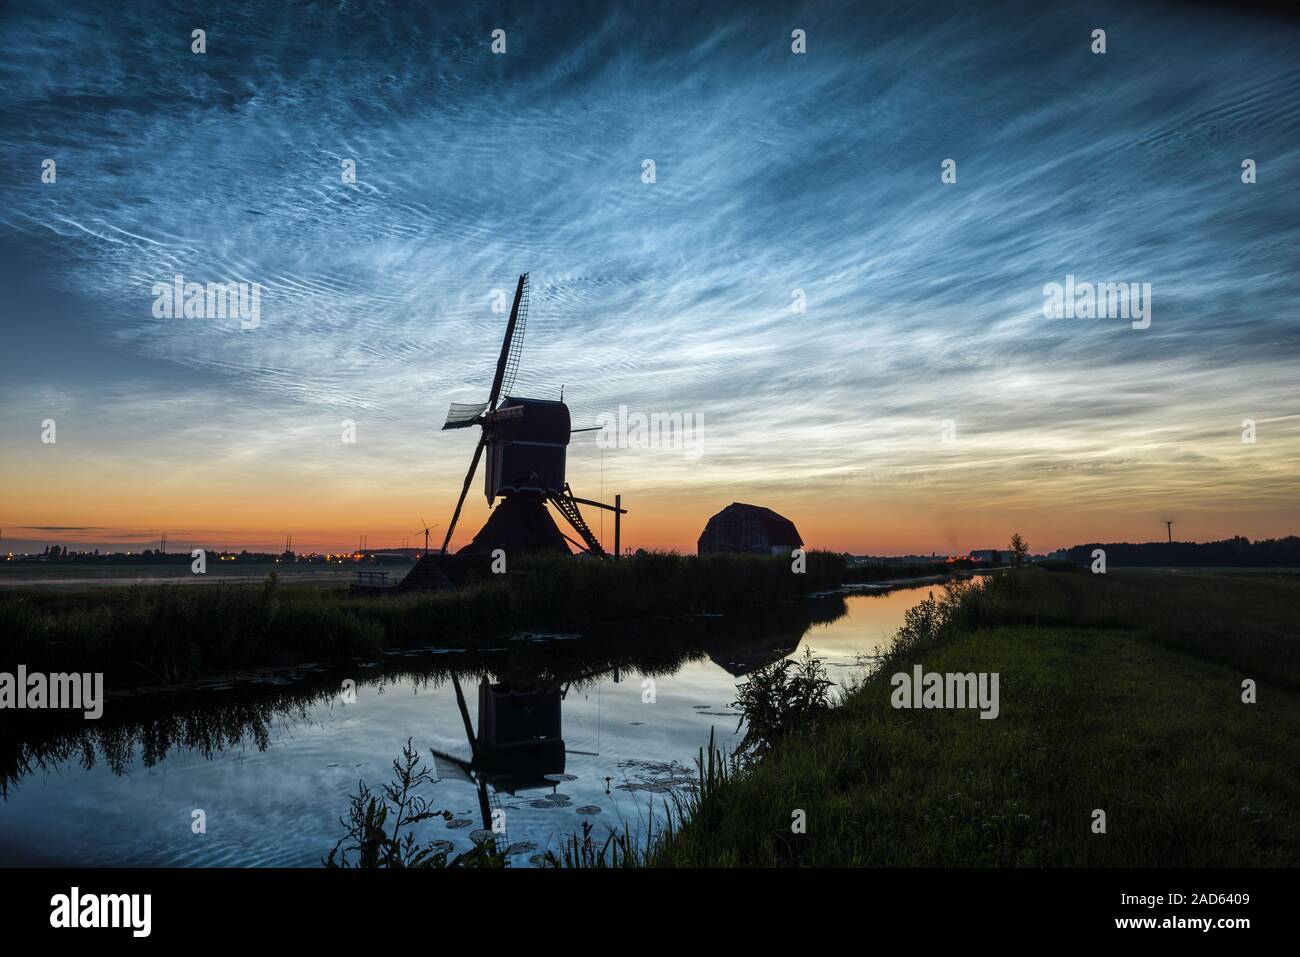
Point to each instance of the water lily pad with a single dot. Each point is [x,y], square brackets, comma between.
[482,835]
[460,822]
[589,809]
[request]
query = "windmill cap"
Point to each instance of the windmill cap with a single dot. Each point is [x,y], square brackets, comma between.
[542,420]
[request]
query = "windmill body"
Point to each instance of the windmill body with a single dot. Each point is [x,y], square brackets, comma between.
[526,444]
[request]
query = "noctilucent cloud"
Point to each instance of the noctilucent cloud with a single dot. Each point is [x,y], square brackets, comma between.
[922,401]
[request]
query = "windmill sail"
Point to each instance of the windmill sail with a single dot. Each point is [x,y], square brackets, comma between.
[462,415]
[516,345]
[511,344]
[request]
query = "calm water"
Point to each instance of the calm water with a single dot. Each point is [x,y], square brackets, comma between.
[272,765]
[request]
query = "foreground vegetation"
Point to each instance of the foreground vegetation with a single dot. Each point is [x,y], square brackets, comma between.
[168,634]
[1120,692]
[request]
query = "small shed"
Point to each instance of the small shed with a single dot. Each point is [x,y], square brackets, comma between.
[751,529]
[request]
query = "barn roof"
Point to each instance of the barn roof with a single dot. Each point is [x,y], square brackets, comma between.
[776,527]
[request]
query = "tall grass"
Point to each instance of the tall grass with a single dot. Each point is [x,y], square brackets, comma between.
[627,849]
[165,633]
[877,573]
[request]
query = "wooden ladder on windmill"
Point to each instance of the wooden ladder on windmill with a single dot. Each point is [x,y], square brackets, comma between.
[568,507]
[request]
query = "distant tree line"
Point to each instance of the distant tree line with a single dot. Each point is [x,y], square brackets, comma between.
[1237,551]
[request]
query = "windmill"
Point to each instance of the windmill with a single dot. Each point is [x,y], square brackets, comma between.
[525,441]
[1169,528]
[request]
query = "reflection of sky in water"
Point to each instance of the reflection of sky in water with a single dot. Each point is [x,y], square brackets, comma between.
[280,806]
[871,622]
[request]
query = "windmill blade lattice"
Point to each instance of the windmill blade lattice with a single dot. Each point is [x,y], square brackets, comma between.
[516,347]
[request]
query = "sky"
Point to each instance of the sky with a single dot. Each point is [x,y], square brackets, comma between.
[862,345]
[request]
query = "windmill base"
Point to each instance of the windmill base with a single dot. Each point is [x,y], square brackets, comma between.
[519,525]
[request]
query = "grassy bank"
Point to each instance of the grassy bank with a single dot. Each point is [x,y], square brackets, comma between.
[152,634]
[1119,692]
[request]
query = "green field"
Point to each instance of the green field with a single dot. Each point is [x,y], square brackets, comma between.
[1120,692]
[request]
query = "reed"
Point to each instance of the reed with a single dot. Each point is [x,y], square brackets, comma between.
[164,634]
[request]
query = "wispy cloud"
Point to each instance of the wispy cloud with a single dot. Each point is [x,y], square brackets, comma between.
[774,173]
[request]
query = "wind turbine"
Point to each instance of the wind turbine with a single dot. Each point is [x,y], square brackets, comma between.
[426,528]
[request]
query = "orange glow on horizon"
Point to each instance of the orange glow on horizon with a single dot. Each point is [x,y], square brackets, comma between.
[222,517]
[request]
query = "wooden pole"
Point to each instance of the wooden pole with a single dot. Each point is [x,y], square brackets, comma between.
[618,520]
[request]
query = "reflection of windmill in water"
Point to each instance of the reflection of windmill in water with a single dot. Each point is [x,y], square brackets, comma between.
[525,440]
[519,744]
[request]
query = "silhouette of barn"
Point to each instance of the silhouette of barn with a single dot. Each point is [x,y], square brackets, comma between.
[751,529]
